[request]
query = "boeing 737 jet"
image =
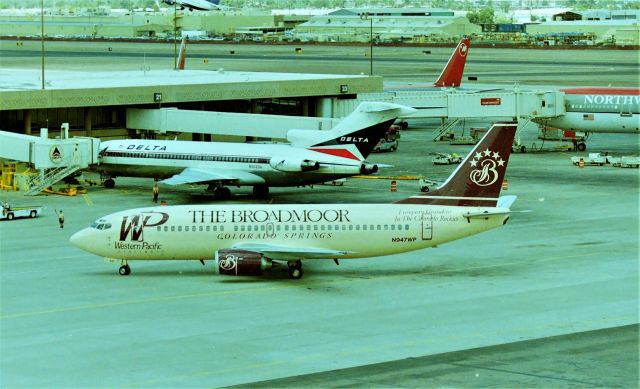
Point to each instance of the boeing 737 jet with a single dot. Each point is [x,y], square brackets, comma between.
[311,157]
[249,239]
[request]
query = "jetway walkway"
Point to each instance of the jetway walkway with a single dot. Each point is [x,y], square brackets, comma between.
[223,123]
[53,158]
[455,104]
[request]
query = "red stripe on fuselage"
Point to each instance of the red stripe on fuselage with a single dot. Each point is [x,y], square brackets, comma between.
[602,91]
[337,152]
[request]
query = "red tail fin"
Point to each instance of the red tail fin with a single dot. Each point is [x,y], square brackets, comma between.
[182,54]
[478,179]
[452,73]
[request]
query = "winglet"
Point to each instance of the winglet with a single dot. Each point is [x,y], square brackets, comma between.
[451,75]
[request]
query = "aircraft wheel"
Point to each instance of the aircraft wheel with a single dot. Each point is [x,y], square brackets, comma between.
[581,146]
[124,270]
[32,214]
[109,183]
[261,191]
[523,149]
[295,270]
[223,193]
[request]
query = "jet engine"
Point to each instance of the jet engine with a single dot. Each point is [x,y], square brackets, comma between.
[368,168]
[240,263]
[293,165]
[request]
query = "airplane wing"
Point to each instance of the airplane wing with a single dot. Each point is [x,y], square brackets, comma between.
[288,253]
[196,175]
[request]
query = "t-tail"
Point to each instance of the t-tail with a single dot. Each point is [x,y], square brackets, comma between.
[182,54]
[451,75]
[356,135]
[478,179]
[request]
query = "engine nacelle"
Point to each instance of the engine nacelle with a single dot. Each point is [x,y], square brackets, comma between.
[368,168]
[293,165]
[240,263]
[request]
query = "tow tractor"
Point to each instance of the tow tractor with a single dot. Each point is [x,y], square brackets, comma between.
[446,159]
[10,213]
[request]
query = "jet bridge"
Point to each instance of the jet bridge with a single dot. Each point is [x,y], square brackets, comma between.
[223,123]
[53,158]
[454,104]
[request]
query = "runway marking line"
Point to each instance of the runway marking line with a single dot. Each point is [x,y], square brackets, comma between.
[275,287]
[87,199]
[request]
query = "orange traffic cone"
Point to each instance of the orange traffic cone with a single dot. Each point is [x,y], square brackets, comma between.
[505,185]
[393,186]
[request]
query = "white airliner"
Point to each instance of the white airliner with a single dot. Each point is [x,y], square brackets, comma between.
[199,5]
[311,157]
[594,109]
[249,239]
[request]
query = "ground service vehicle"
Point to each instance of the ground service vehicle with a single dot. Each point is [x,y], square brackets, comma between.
[11,213]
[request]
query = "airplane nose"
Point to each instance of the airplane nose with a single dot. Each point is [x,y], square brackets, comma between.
[81,240]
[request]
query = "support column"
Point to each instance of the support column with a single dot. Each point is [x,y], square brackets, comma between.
[26,114]
[88,116]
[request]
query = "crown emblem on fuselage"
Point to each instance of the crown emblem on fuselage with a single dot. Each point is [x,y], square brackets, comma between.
[485,164]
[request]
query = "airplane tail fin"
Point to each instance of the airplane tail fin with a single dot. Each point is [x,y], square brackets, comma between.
[363,128]
[452,73]
[182,54]
[478,179]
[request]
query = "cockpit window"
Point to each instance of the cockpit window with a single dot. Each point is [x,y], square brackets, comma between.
[100,225]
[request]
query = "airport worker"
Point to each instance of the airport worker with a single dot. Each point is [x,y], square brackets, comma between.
[61,219]
[156,192]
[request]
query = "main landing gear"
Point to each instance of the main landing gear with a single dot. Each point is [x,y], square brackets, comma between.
[109,183]
[124,270]
[295,270]
[261,191]
[219,192]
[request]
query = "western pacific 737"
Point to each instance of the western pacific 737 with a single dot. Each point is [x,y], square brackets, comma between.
[249,239]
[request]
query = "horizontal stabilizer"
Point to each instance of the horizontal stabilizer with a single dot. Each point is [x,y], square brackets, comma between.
[506,201]
[486,213]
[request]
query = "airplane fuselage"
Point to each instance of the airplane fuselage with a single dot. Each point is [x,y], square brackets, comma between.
[613,110]
[248,164]
[191,232]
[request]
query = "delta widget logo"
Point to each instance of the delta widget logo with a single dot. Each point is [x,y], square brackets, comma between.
[485,164]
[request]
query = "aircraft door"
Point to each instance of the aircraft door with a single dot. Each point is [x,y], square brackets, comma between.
[270,229]
[427,226]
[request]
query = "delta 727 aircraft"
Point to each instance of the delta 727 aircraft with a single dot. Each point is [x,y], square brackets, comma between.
[248,239]
[311,157]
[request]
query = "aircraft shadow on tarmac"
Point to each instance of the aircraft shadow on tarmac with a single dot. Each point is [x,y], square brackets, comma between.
[323,273]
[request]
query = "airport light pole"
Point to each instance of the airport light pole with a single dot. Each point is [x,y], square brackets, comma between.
[365,16]
[175,35]
[42,43]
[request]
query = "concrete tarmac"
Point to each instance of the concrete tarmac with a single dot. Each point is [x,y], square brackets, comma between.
[67,319]
[401,64]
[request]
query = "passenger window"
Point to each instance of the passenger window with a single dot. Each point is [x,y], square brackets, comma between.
[357,227]
[179,228]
